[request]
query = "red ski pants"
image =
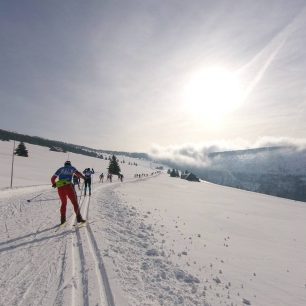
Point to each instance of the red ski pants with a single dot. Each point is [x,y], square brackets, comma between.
[65,192]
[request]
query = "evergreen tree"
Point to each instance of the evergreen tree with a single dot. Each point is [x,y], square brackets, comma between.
[21,150]
[173,173]
[113,167]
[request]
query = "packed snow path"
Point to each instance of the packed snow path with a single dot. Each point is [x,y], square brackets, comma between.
[92,274]
[144,246]
[43,264]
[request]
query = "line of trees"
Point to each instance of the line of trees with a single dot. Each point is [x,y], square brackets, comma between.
[66,147]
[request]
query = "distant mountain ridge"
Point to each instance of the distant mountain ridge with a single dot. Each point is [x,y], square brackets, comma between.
[247,151]
[78,149]
[278,171]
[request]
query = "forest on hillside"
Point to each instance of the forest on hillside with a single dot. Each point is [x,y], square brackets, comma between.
[65,147]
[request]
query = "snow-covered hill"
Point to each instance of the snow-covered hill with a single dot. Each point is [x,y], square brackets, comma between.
[42,163]
[152,240]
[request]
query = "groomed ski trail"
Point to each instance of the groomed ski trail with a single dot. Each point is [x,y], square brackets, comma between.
[88,273]
[42,264]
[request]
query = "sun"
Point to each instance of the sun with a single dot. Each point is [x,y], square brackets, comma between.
[212,93]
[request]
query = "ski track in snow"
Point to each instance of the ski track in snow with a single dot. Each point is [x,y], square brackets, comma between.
[88,267]
[22,257]
[44,248]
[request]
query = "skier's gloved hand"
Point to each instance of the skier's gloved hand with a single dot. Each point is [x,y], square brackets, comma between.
[54,185]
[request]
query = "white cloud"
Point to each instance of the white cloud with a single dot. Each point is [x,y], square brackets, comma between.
[198,154]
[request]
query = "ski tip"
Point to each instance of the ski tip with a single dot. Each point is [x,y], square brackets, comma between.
[80,224]
[61,225]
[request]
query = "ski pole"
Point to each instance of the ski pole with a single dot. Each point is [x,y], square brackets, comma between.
[45,200]
[82,188]
[35,197]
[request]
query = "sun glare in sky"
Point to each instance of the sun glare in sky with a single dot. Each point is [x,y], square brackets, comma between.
[212,93]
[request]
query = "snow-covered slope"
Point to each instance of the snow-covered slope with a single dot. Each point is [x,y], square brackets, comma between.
[153,240]
[42,163]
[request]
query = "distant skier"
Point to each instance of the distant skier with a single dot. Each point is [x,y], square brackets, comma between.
[109,177]
[87,173]
[101,177]
[66,190]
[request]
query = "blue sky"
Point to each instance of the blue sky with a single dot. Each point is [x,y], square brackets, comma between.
[113,74]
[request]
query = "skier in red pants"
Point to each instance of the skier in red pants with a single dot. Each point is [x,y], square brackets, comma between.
[66,189]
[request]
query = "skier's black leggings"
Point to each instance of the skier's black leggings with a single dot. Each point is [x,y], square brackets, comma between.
[88,183]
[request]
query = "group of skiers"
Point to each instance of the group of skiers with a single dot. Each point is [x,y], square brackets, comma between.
[109,177]
[65,179]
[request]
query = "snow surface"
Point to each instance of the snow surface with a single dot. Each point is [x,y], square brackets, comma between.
[153,240]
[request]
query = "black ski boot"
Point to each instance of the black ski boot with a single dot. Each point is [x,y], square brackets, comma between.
[80,219]
[63,219]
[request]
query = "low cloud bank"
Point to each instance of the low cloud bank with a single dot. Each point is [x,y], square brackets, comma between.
[275,166]
[197,155]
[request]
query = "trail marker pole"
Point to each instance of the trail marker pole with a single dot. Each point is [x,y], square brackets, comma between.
[12,169]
